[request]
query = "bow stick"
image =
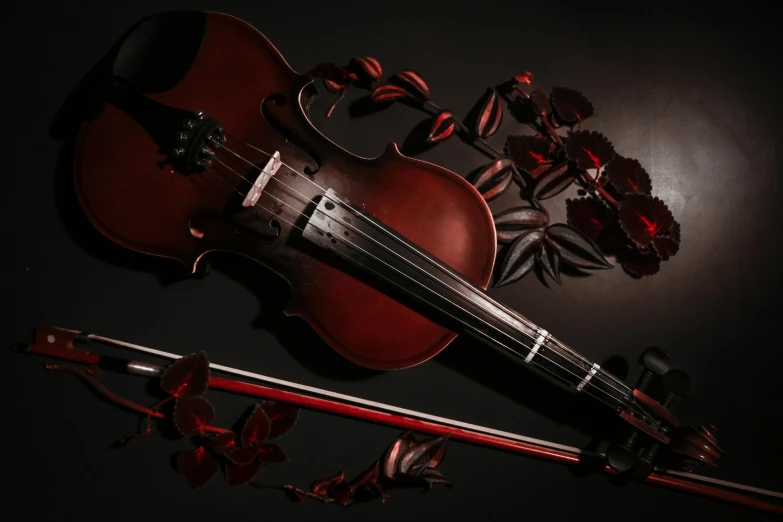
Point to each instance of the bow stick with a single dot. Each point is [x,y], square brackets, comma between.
[59,343]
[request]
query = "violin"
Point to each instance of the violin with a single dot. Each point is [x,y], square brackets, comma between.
[203,144]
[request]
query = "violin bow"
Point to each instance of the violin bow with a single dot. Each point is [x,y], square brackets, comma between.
[60,343]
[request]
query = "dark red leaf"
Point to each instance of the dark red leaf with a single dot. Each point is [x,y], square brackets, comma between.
[639,264]
[541,102]
[494,178]
[242,456]
[370,66]
[271,453]
[666,247]
[442,127]
[576,248]
[673,232]
[282,417]
[643,217]
[571,105]
[414,82]
[321,487]
[257,428]
[342,493]
[192,414]
[294,494]
[387,92]
[197,465]
[237,475]
[548,258]
[332,72]
[368,477]
[590,150]
[628,176]
[554,181]
[223,442]
[589,215]
[188,376]
[525,77]
[395,453]
[490,116]
[521,256]
[333,86]
[529,152]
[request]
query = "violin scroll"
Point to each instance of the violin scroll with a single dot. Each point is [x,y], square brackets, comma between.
[657,436]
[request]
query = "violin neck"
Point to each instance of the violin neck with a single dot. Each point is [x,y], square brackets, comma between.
[408,273]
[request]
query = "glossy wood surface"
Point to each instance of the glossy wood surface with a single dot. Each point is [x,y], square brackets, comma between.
[149,208]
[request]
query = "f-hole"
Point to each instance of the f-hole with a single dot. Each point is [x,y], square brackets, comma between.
[279,100]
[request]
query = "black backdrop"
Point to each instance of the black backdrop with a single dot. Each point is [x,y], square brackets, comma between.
[691,91]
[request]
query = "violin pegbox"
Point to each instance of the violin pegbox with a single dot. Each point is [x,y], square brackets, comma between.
[657,437]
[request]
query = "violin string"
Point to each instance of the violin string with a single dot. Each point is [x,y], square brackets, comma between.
[637,410]
[522,319]
[629,398]
[527,323]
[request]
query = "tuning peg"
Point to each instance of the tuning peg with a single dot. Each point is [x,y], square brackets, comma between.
[187,123]
[199,115]
[676,383]
[654,362]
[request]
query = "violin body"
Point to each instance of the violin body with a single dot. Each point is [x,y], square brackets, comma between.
[137,199]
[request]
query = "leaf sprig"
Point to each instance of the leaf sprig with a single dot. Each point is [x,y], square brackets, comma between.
[616,215]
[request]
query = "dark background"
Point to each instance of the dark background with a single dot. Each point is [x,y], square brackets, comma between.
[691,91]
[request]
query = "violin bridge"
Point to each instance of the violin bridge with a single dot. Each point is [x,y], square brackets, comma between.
[269,170]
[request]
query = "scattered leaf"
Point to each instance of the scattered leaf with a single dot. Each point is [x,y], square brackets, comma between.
[571,105]
[333,86]
[529,152]
[442,127]
[576,248]
[192,415]
[673,232]
[643,217]
[589,215]
[241,455]
[628,176]
[525,77]
[257,427]
[187,376]
[548,258]
[519,219]
[666,247]
[294,494]
[414,83]
[332,72]
[490,116]
[521,256]
[223,442]
[554,182]
[370,66]
[282,417]
[494,178]
[541,102]
[341,493]
[639,264]
[589,149]
[321,487]
[418,457]
[395,453]
[197,465]
[433,476]
[271,453]
[368,477]
[387,92]
[240,474]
